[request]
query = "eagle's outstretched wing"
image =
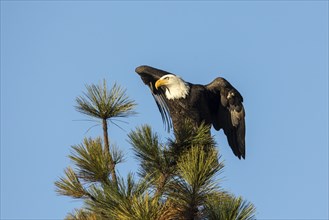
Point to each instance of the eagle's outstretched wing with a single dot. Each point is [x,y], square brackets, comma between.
[149,76]
[229,114]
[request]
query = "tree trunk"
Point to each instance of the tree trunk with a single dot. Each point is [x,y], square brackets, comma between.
[107,151]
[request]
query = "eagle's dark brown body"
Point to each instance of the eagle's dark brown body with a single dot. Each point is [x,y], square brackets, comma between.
[194,107]
[218,104]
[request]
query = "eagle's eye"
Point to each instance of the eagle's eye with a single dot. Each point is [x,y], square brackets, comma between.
[167,78]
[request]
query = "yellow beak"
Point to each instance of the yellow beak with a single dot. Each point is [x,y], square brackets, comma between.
[160,82]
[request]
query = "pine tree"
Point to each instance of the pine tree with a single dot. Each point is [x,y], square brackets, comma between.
[177,179]
[105,105]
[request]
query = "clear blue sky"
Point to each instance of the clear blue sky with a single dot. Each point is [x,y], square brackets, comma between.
[275,53]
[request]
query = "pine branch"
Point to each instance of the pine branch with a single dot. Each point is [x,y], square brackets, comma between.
[117,201]
[92,162]
[82,214]
[155,161]
[190,135]
[70,185]
[104,104]
[117,154]
[99,102]
[196,171]
[227,206]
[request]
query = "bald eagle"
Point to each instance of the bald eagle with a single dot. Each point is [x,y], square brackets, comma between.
[218,104]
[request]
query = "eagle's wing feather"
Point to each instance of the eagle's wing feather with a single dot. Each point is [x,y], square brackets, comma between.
[229,114]
[163,109]
[149,76]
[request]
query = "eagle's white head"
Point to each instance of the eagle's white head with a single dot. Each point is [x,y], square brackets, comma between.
[175,87]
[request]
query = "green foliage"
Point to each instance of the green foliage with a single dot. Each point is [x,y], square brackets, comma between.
[92,161]
[117,155]
[100,103]
[70,185]
[130,200]
[177,179]
[156,164]
[104,104]
[195,181]
[82,214]
[198,167]
[227,206]
[190,135]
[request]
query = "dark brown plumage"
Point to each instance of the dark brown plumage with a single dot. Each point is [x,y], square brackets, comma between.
[218,104]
